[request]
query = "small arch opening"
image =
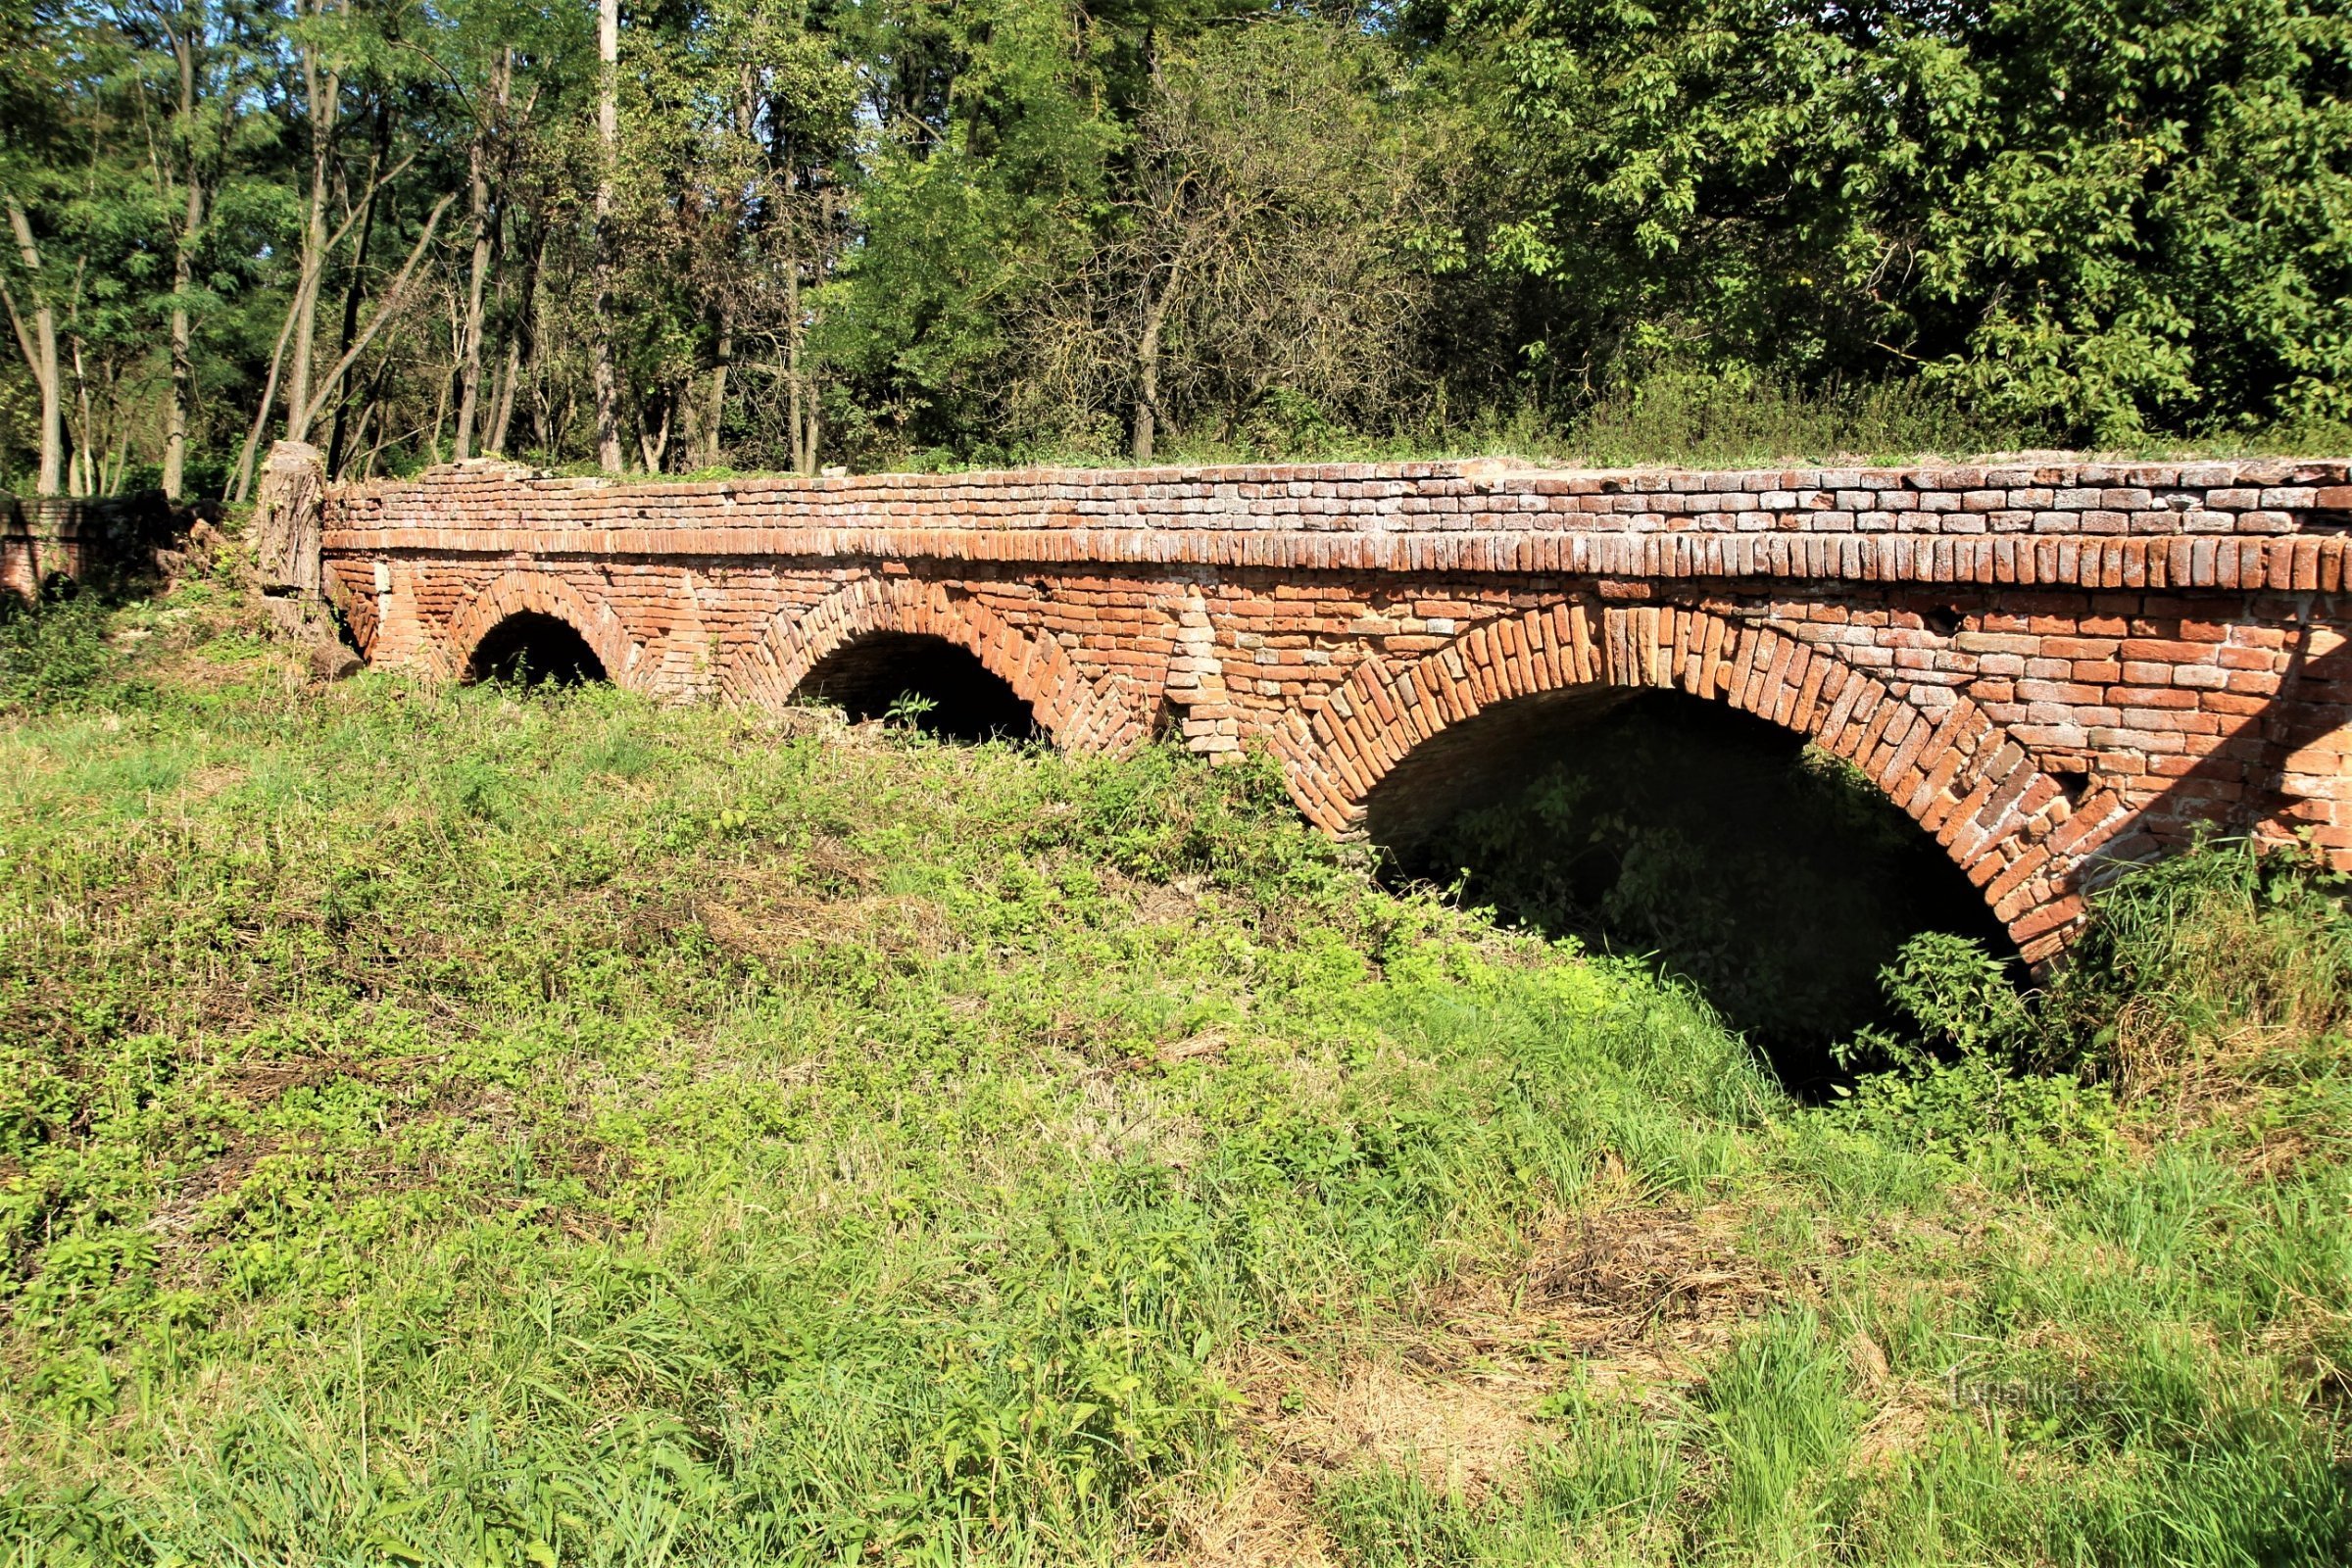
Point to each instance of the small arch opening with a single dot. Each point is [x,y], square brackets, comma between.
[924,681]
[531,649]
[1770,874]
[1167,720]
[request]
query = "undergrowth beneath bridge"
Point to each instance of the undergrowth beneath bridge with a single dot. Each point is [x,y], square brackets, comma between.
[925,682]
[1768,875]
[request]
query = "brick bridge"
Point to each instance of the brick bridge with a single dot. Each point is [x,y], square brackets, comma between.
[2048,664]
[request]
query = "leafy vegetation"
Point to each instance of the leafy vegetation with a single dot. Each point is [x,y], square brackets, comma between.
[719,233]
[53,655]
[477,1125]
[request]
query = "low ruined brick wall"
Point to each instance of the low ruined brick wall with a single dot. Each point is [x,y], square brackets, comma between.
[2048,664]
[106,541]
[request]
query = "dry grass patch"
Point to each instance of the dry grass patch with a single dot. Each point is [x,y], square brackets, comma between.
[1627,1297]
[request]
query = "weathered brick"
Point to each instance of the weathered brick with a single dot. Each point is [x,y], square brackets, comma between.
[1341,615]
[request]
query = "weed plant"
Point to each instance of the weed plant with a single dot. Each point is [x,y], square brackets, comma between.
[462,1125]
[52,655]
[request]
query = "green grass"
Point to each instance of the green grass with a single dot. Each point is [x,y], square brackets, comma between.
[438,1125]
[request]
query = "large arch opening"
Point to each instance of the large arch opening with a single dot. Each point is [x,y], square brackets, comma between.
[1770,874]
[533,649]
[925,681]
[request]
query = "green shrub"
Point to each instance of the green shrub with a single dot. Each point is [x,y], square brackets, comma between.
[2193,951]
[1733,416]
[54,655]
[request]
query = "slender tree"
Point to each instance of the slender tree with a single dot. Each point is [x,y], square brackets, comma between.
[607,136]
[36,327]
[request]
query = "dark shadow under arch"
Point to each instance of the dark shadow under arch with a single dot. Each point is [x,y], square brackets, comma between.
[928,682]
[1774,877]
[532,647]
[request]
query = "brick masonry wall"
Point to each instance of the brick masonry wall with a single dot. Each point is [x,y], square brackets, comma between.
[2051,665]
[105,541]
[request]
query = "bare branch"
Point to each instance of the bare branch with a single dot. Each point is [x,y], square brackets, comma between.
[394,297]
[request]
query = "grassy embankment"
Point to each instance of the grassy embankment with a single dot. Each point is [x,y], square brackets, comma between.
[444,1126]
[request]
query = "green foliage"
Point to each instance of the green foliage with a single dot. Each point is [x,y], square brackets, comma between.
[1958,1000]
[2184,955]
[1978,1116]
[975,199]
[1949,1083]
[907,709]
[53,655]
[925,235]
[2086,220]
[1727,416]
[2198,956]
[2228,949]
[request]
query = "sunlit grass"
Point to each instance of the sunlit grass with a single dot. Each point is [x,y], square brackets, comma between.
[450,1126]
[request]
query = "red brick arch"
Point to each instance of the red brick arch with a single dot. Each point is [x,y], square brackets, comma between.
[1962,777]
[522,592]
[1075,711]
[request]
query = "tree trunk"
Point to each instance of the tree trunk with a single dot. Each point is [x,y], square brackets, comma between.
[82,473]
[518,346]
[181,387]
[502,403]
[308,413]
[396,295]
[521,346]
[792,364]
[323,89]
[713,416]
[183,356]
[608,131]
[722,357]
[286,520]
[792,394]
[336,445]
[1147,379]
[440,417]
[655,443]
[40,356]
[1146,350]
[470,350]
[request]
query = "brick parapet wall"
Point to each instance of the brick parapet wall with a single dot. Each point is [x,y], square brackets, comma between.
[2044,663]
[2215,525]
[2245,498]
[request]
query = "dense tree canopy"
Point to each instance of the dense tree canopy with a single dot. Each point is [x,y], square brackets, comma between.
[786,234]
